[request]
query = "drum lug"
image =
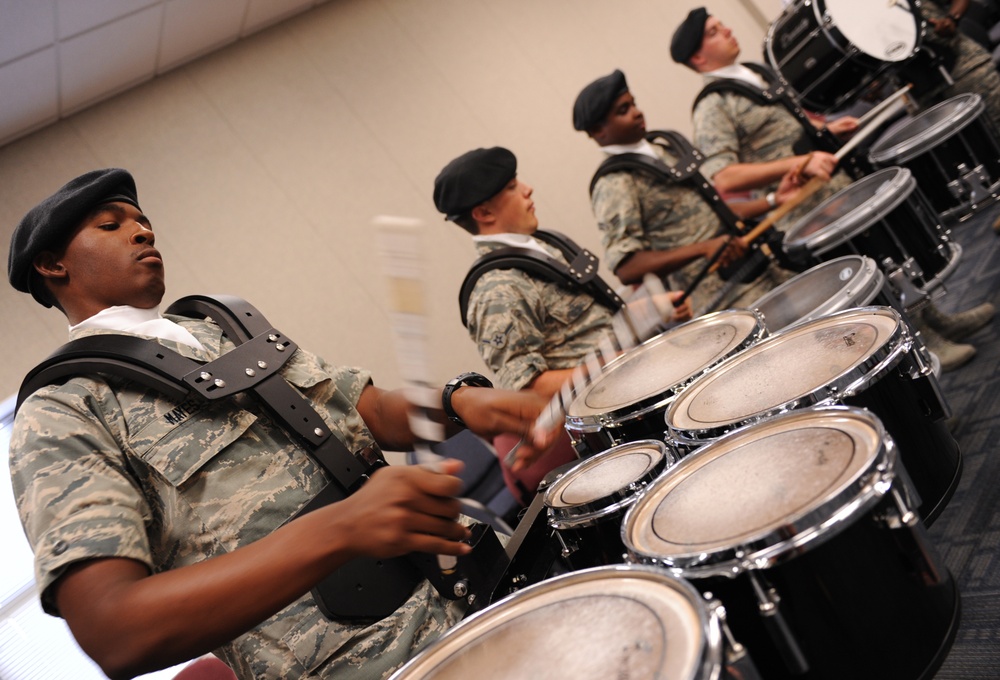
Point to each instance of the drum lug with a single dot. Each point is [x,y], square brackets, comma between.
[768,605]
[902,514]
[973,184]
[565,549]
[909,295]
[736,653]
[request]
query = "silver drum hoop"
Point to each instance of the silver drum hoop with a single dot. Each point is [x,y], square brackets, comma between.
[851,210]
[849,351]
[832,463]
[605,485]
[636,383]
[662,621]
[926,130]
[829,287]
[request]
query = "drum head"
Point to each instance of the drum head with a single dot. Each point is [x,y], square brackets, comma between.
[926,130]
[785,370]
[851,210]
[609,622]
[605,483]
[887,31]
[659,366]
[752,491]
[841,283]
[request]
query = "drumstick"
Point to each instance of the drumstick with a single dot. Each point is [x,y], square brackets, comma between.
[622,337]
[886,109]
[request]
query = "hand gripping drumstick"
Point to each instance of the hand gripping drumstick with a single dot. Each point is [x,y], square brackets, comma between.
[402,260]
[629,327]
[873,121]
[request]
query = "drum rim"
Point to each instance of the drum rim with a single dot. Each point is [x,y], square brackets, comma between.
[775,545]
[588,514]
[847,384]
[624,413]
[868,282]
[901,185]
[708,660]
[969,107]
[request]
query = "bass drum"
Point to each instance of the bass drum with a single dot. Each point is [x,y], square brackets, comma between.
[595,624]
[862,357]
[802,527]
[886,217]
[953,151]
[627,400]
[829,51]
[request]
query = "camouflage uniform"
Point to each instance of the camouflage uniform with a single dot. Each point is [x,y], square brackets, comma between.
[973,71]
[636,212]
[729,128]
[103,467]
[524,326]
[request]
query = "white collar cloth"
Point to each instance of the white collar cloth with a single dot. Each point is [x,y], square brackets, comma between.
[146,322]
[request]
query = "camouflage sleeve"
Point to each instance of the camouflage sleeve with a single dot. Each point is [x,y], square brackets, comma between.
[618,210]
[716,134]
[505,322]
[73,491]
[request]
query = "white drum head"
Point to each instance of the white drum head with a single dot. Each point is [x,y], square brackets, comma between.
[884,29]
[752,489]
[609,622]
[783,368]
[604,474]
[665,362]
[833,286]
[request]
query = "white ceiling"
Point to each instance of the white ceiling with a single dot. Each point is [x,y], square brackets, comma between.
[60,56]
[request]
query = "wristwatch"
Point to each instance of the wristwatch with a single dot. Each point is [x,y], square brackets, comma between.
[474,379]
[955,17]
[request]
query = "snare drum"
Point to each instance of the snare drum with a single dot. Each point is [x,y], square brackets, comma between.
[953,151]
[842,283]
[609,622]
[627,400]
[829,51]
[862,357]
[585,505]
[885,217]
[801,526]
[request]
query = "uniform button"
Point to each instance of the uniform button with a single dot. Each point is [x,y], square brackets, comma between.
[60,547]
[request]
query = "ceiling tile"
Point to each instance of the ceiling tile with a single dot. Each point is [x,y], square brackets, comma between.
[32,98]
[25,27]
[108,59]
[77,16]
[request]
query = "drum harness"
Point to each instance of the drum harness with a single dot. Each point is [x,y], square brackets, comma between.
[364,589]
[687,172]
[580,274]
[812,139]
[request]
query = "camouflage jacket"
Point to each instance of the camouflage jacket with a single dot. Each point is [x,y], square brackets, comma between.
[637,212]
[180,482]
[524,326]
[729,128]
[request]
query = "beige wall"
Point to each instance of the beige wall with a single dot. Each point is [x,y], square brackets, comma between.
[262,165]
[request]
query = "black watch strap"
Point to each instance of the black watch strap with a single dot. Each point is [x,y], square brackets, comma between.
[474,379]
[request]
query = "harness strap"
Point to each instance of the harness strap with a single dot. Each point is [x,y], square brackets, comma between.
[775,93]
[580,274]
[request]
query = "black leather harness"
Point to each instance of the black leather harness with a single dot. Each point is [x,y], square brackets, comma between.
[581,274]
[364,589]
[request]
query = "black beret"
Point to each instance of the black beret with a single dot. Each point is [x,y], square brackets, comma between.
[688,36]
[50,222]
[473,178]
[595,101]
